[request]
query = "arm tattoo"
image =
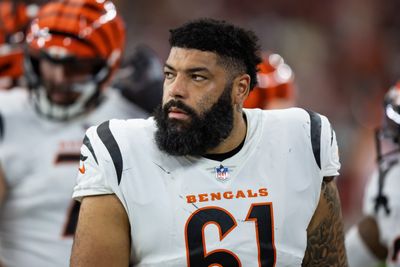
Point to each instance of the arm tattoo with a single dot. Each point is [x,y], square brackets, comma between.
[325,241]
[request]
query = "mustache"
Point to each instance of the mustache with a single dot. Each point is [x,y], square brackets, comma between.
[180,105]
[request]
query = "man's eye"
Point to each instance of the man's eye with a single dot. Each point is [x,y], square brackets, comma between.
[198,77]
[168,75]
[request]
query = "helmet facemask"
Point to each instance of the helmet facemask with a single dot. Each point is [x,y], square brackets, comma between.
[79,96]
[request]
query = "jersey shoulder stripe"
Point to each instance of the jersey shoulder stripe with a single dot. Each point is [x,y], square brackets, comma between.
[106,136]
[87,143]
[315,128]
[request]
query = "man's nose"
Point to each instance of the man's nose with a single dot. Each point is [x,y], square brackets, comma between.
[58,75]
[177,88]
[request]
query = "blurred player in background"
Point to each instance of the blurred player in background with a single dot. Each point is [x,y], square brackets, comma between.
[376,238]
[73,49]
[140,78]
[14,19]
[275,88]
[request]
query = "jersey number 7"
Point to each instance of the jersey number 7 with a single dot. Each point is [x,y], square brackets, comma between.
[260,213]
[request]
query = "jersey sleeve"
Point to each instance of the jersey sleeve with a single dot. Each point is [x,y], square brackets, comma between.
[93,168]
[330,163]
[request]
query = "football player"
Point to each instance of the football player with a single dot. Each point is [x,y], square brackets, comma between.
[376,237]
[14,19]
[73,48]
[275,88]
[205,182]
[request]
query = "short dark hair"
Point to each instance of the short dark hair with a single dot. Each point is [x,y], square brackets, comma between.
[237,48]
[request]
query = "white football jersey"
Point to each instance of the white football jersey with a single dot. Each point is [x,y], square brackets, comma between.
[40,158]
[251,209]
[388,224]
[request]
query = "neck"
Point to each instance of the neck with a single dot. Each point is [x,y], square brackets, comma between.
[235,138]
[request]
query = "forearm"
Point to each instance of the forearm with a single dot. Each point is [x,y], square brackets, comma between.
[325,234]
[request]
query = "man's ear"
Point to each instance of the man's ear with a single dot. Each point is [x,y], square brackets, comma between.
[241,88]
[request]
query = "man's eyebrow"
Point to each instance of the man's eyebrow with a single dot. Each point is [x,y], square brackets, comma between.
[168,66]
[197,69]
[190,70]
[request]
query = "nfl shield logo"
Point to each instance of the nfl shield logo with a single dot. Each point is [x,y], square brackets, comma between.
[222,173]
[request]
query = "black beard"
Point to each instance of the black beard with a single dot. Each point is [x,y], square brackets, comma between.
[202,133]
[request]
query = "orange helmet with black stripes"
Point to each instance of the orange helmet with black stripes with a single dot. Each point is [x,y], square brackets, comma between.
[14,19]
[275,87]
[80,32]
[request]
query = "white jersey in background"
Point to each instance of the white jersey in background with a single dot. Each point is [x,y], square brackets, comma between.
[40,158]
[388,224]
[251,209]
